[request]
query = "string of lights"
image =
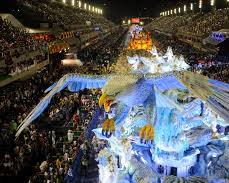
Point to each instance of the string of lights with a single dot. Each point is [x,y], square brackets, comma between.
[83,5]
[185,8]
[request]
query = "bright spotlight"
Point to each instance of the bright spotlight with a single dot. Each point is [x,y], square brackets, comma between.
[191,6]
[200,4]
[185,8]
[212,2]
[80,4]
[73,2]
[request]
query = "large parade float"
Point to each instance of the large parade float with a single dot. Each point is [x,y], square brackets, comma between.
[161,122]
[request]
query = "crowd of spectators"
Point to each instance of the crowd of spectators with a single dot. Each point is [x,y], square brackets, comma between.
[60,14]
[200,24]
[17,44]
[13,37]
[100,56]
[170,24]
[46,150]
[212,21]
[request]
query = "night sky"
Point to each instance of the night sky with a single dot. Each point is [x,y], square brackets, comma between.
[136,8]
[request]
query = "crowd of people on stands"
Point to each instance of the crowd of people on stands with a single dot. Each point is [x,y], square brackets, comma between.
[48,148]
[13,37]
[200,24]
[100,56]
[205,24]
[18,50]
[62,15]
[174,22]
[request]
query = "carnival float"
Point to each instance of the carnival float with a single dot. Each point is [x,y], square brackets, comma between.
[160,120]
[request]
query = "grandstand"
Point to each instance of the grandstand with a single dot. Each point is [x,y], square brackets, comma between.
[192,28]
[56,27]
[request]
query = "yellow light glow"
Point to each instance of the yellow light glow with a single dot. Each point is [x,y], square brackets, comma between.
[191,6]
[200,4]
[175,11]
[85,6]
[179,10]
[80,4]
[212,2]
[93,8]
[64,1]
[73,2]
[89,7]
[185,8]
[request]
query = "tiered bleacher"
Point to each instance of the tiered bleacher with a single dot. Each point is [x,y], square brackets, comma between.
[58,14]
[200,24]
[58,27]
[186,33]
[18,50]
[46,151]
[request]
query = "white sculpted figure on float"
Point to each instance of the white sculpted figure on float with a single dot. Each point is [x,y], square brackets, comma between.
[159,63]
[153,51]
[108,169]
[183,64]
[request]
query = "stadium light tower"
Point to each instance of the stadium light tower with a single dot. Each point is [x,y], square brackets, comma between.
[79,4]
[200,4]
[212,2]
[191,6]
[73,2]
[185,8]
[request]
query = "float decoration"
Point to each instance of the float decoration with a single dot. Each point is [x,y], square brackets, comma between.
[158,123]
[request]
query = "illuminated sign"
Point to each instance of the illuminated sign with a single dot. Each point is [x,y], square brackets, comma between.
[135,20]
